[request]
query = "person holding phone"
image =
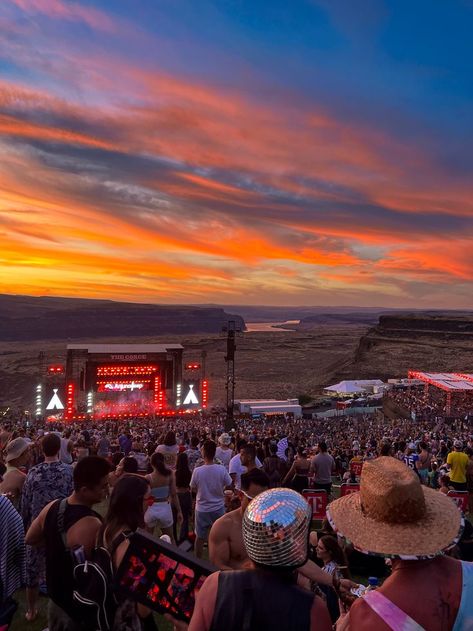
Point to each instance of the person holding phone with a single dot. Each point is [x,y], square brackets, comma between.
[276,533]
[128,503]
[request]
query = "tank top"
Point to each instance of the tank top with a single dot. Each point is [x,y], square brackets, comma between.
[160,492]
[464,619]
[58,559]
[260,600]
[398,620]
[64,455]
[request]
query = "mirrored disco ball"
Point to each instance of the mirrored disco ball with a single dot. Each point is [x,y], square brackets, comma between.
[275,528]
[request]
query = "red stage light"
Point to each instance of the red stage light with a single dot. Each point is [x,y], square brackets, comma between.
[205,393]
[56,369]
[192,366]
[69,400]
[113,371]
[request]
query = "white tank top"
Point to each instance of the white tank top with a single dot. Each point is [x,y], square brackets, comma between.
[64,455]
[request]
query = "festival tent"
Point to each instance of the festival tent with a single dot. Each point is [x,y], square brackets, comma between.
[450,382]
[447,381]
[349,388]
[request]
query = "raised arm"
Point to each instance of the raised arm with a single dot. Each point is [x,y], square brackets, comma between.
[34,535]
[290,474]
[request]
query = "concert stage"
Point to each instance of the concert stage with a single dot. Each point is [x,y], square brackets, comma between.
[104,381]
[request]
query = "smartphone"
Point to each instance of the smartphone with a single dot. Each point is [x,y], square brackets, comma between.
[161,576]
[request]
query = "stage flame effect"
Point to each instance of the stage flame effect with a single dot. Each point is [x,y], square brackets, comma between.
[268,152]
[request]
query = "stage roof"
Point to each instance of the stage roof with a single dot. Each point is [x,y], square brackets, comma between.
[448,381]
[124,348]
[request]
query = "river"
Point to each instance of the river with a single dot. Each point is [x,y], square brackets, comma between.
[268,327]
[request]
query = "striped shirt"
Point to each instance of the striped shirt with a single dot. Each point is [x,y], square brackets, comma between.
[12,549]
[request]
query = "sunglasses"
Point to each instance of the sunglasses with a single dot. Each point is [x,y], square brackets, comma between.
[246,495]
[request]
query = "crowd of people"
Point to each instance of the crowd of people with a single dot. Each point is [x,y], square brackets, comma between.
[431,403]
[88,484]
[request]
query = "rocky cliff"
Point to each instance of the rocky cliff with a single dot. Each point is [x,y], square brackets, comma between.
[29,318]
[426,342]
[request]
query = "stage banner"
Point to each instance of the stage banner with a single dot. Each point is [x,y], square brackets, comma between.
[346,489]
[460,498]
[317,500]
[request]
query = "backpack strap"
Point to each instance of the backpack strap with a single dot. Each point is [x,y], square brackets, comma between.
[391,614]
[123,536]
[60,521]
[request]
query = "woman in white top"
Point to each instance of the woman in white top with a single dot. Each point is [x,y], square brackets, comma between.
[163,493]
[332,556]
[169,448]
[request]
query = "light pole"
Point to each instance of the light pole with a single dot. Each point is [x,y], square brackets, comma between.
[231,329]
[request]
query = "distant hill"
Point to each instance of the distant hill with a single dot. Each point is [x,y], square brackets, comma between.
[265,313]
[42,318]
[429,342]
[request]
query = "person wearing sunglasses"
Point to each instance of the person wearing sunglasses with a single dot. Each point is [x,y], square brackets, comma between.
[226,547]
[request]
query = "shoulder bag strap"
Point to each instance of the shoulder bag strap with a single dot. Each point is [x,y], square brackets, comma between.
[60,520]
[390,613]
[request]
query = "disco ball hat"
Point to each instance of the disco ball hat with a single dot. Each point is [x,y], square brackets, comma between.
[276,529]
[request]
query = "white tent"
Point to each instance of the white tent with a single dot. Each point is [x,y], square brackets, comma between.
[348,388]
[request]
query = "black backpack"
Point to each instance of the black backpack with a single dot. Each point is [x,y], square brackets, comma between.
[93,580]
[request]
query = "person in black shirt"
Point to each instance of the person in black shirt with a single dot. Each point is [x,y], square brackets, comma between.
[81,525]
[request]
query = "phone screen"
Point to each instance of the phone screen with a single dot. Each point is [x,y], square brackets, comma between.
[161,576]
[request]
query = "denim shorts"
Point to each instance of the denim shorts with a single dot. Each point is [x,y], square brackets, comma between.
[204,521]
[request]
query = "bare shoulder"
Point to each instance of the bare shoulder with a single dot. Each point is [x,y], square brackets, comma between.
[84,531]
[45,511]
[120,552]
[221,525]
[209,587]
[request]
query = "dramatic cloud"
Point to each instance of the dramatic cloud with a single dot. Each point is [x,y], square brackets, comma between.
[159,180]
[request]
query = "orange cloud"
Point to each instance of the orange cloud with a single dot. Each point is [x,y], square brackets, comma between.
[12,126]
[240,184]
[438,258]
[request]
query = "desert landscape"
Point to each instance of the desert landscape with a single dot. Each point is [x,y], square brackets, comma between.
[278,364]
[319,347]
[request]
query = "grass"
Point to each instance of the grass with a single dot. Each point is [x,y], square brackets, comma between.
[20,624]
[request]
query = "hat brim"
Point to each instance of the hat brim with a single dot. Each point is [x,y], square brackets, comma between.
[16,453]
[440,528]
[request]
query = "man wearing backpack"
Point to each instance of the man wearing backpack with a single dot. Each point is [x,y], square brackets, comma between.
[80,527]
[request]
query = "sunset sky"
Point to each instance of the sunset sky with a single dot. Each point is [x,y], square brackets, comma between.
[314,152]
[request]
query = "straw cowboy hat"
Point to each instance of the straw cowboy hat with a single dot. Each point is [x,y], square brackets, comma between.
[15,448]
[393,515]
